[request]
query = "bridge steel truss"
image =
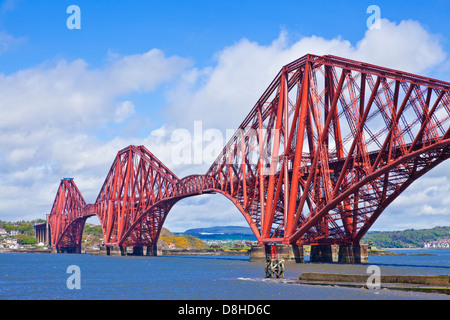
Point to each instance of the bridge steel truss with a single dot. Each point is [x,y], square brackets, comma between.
[327,147]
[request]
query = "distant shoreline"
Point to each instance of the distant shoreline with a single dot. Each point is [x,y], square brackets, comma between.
[216,252]
[26,251]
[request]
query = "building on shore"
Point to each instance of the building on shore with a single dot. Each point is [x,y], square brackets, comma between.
[442,243]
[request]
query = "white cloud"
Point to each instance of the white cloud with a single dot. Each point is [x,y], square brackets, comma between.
[406,46]
[49,116]
[73,96]
[123,111]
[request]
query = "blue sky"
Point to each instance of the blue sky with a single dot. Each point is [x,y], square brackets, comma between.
[137,70]
[196,29]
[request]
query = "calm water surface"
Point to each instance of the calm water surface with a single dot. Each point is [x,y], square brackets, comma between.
[44,276]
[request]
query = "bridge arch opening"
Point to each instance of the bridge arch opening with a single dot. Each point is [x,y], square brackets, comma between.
[202,211]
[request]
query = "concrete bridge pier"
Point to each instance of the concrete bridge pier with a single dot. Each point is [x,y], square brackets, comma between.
[113,251]
[352,253]
[154,251]
[142,251]
[323,253]
[137,251]
[286,252]
[131,251]
[67,249]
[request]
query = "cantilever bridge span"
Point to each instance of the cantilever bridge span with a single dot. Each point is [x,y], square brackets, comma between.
[327,147]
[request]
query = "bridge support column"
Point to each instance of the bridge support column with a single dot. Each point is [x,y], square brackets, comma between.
[353,253]
[291,252]
[137,251]
[154,251]
[113,251]
[68,249]
[131,251]
[324,253]
[286,252]
[258,253]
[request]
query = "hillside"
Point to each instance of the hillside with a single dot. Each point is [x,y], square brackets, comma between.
[221,229]
[92,234]
[406,239]
[222,233]
[167,239]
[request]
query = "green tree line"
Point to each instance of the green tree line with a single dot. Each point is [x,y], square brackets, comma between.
[406,239]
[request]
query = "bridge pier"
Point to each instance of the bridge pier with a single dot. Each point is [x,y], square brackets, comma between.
[43,232]
[353,253]
[286,252]
[67,249]
[113,251]
[137,251]
[346,254]
[154,251]
[132,251]
[324,253]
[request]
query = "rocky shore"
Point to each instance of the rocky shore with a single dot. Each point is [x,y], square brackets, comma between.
[382,252]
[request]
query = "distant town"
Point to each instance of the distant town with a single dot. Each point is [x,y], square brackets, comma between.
[443,243]
[18,235]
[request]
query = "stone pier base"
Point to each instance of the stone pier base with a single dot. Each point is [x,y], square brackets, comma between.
[259,253]
[138,251]
[153,251]
[131,251]
[67,250]
[324,253]
[342,254]
[353,253]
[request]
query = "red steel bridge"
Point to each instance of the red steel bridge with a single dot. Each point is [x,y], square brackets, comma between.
[328,146]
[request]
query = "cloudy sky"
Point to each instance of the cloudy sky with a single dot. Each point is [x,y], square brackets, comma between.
[138,71]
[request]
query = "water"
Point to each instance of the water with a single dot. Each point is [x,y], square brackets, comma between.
[43,276]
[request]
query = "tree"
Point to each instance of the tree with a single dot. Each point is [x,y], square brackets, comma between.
[26,239]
